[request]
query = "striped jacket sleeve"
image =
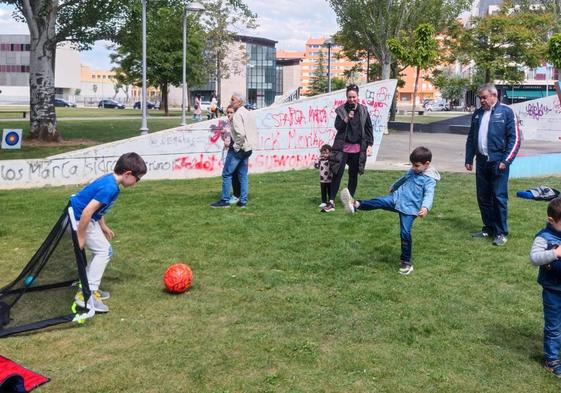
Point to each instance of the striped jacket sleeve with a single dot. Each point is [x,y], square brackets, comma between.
[512,138]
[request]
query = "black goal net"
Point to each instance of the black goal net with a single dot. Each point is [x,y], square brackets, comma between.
[43,294]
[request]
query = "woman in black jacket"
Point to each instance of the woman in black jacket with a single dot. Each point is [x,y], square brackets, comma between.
[352,144]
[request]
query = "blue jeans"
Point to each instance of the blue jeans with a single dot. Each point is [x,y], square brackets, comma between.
[235,163]
[552,323]
[405,222]
[492,195]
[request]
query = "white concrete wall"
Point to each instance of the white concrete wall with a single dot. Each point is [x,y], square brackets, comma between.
[540,119]
[289,137]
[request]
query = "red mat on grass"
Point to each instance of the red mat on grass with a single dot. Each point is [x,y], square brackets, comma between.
[17,379]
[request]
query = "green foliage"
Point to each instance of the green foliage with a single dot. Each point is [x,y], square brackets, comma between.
[164,46]
[338,84]
[418,50]
[285,299]
[366,26]
[452,87]
[319,78]
[554,50]
[502,42]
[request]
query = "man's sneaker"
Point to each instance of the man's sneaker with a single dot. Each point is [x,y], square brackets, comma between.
[103,295]
[554,367]
[499,240]
[348,201]
[220,204]
[480,234]
[99,306]
[322,205]
[233,200]
[241,204]
[330,207]
[405,268]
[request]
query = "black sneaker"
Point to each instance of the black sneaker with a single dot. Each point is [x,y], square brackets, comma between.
[218,204]
[554,367]
[330,207]
[241,204]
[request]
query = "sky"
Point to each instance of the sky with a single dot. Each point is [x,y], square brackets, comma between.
[290,22]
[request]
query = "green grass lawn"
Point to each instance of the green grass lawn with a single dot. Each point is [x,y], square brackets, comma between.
[94,131]
[286,299]
[63,113]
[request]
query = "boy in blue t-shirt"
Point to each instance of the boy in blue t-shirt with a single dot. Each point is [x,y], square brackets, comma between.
[89,205]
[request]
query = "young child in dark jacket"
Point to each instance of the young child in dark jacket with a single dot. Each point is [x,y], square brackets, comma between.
[546,254]
[325,174]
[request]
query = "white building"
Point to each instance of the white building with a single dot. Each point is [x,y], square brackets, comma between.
[14,70]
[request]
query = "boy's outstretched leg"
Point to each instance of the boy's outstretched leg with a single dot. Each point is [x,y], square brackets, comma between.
[405,226]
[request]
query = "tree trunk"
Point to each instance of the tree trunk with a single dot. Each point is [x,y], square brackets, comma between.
[218,80]
[42,117]
[413,108]
[165,98]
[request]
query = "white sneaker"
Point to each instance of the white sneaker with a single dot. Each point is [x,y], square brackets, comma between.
[348,201]
[99,306]
[233,200]
[322,205]
[405,269]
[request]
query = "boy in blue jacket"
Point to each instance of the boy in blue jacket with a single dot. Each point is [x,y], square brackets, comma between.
[410,196]
[546,254]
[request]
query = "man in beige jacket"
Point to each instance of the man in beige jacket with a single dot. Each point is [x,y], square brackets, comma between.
[244,140]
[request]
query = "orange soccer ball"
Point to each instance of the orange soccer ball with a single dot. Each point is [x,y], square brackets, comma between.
[178,277]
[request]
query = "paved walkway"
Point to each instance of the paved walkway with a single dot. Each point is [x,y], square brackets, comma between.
[448,150]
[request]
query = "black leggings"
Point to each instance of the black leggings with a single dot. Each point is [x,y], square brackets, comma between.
[325,188]
[351,159]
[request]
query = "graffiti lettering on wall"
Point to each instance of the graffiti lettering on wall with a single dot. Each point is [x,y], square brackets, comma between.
[205,162]
[284,161]
[537,110]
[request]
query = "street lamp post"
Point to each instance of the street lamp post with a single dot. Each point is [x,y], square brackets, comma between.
[144,125]
[194,8]
[329,43]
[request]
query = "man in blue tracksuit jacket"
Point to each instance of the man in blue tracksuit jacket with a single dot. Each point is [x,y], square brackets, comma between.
[494,139]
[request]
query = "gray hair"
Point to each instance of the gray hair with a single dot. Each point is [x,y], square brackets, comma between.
[239,96]
[488,87]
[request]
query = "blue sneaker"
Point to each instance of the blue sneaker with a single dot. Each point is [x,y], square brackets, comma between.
[220,204]
[241,204]
[554,367]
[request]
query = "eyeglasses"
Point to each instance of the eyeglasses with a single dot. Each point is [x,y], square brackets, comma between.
[136,177]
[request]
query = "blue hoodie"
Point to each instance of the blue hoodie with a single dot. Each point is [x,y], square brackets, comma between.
[414,191]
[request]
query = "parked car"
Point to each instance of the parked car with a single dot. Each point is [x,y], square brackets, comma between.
[250,107]
[64,103]
[110,104]
[205,105]
[149,105]
[437,106]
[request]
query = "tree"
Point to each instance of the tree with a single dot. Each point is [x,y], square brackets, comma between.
[338,83]
[219,17]
[500,43]
[452,87]
[51,22]
[319,78]
[164,50]
[367,25]
[420,51]
[554,50]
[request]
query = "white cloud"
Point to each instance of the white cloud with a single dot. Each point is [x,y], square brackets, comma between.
[292,22]
[7,23]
